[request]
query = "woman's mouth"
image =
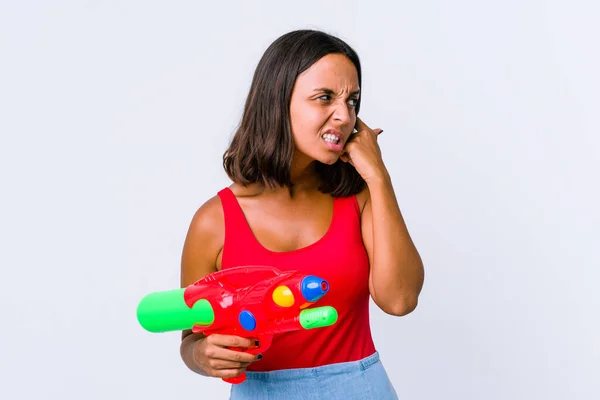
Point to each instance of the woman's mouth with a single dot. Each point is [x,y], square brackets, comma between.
[332,141]
[331,138]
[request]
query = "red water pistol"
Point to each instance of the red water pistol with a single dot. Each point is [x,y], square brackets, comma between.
[251,302]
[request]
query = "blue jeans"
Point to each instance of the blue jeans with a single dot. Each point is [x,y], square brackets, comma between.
[364,379]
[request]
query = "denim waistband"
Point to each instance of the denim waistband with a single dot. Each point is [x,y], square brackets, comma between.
[324,370]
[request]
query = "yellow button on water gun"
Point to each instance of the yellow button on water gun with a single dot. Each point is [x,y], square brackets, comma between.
[283,296]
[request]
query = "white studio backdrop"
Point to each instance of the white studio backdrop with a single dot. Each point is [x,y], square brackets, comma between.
[114,116]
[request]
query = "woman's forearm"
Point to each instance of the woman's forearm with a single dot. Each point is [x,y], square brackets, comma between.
[397,271]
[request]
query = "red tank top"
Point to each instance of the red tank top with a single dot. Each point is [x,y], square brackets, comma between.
[338,257]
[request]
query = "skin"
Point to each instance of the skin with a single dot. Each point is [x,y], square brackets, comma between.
[396,275]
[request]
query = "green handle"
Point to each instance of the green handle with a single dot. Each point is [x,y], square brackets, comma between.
[318,317]
[167,311]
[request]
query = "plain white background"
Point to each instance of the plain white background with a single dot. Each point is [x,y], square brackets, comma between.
[115,114]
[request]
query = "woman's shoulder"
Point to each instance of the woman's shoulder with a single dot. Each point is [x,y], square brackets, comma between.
[209,218]
[251,190]
[210,215]
[204,242]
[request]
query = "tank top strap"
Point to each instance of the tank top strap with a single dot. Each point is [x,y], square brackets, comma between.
[355,207]
[348,216]
[237,229]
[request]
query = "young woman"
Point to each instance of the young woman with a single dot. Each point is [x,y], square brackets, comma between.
[310,193]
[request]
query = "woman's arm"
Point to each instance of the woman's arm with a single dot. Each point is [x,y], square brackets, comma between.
[209,356]
[200,250]
[397,274]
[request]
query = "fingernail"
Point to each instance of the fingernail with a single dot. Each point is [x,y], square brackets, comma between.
[257,343]
[380,132]
[259,357]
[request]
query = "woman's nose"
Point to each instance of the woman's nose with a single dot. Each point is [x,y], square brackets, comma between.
[342,112]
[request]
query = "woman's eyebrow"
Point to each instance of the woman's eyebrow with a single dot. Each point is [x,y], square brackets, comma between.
[329,91]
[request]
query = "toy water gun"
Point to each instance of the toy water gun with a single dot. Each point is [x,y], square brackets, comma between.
[251,302]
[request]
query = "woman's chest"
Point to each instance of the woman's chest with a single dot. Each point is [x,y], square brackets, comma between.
[284,229]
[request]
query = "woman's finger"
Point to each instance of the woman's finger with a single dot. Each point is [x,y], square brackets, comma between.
[360,125]
[227,373]
[231,341]
[222,353]
[224,364]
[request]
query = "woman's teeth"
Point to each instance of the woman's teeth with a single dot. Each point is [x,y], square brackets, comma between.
[330,138]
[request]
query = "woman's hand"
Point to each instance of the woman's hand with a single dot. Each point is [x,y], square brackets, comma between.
[212,355]
[362,151]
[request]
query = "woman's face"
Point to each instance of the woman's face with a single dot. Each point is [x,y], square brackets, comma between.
[322,108]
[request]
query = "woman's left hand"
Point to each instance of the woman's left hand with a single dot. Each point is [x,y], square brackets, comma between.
[363,152]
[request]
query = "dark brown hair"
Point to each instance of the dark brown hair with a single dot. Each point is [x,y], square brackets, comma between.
[262,147]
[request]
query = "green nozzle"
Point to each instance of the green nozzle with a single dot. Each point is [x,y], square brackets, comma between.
[318,317]
[167,311]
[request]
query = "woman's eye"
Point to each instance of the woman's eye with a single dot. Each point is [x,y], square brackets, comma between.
[326,97]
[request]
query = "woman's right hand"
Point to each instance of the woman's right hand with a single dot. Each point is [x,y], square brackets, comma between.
[213,356]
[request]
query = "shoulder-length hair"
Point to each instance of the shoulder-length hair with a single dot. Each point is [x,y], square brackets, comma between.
[262,147]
